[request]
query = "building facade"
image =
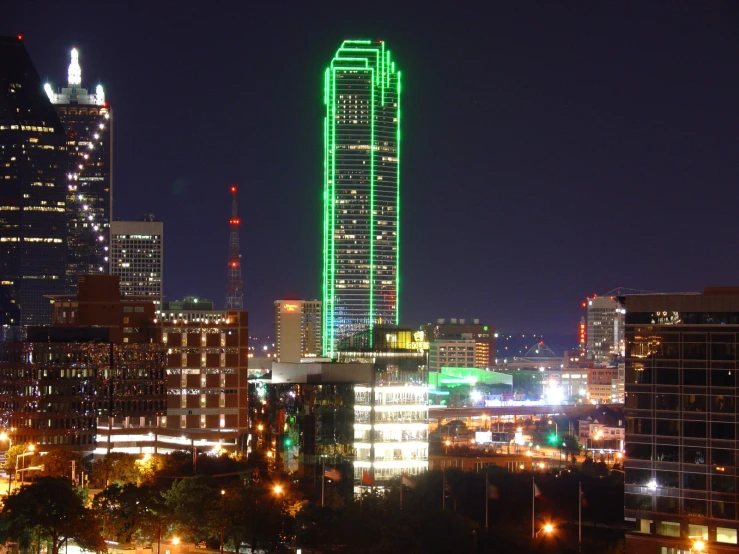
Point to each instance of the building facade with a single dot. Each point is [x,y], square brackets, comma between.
[391,411]
[361,189]
[207,367]
[605,329]
[451,353]
[466,329]
[33,158]
[137,257]
[681,421]
[297,330]
[96,374]
[88,123]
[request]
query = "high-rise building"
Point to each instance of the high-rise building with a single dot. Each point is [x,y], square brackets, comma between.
[681,416]
[207,365]
[88,122]
[137,257]
[33,157]
[361,190]
[482,337]
[605,329]
[297,329]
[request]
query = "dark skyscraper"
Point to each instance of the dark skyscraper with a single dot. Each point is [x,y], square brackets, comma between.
[681,421]
[33,158]
[87,120]
[361,187]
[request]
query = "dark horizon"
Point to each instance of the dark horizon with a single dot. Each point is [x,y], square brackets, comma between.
[549,151]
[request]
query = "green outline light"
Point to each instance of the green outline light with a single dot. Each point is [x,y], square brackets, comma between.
[361,56]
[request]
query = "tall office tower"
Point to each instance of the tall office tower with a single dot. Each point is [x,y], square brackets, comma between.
[361,190]
[207,365]
[235,292]
[605,329]
[297,329]
[137,257]
[681,416]
[87,119]
[482,335]
[33,221]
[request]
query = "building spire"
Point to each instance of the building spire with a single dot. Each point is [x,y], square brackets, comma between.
[235,292]
[74,73]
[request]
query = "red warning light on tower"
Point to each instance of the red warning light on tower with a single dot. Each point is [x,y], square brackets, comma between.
[235,291]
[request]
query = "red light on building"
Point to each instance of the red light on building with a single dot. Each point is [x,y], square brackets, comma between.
[234,264]
[234,221]
[20,37]
[233,188]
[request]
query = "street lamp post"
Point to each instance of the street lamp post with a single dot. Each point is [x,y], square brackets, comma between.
[223,494]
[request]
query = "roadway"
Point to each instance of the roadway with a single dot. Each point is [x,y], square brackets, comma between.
[502,411]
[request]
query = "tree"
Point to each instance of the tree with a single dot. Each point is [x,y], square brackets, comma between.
[191,500]
[53,507]
[117,468]
[12,455]
[129,511]
[57,463]
[571,447]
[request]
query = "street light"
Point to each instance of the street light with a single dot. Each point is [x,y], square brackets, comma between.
[556,427]
[277,490]
[548,530]
[447,443]
[175,540]
[698,546]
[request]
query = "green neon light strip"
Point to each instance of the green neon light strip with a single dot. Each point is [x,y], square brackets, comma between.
[332,229]
[397,210]
[372,317]
[382,72]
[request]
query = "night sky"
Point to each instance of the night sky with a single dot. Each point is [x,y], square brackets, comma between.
[551,150]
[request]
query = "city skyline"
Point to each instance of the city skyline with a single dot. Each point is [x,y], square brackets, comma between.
[534,139]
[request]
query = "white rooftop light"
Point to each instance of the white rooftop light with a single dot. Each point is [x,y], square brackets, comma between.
[74,73]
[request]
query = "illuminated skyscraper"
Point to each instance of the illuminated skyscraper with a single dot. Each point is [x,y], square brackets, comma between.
[605,329]
[297,329]
[137,257]
[33,221]
[361,190]
[87,120]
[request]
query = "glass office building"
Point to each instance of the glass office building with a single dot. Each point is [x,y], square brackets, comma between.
[681,421]
[361,190]
[33,156]
[87,120]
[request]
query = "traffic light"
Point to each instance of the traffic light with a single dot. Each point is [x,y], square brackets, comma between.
[553,438]
[288,442]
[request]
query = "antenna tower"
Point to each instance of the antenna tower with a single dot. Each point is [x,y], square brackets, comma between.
[235,292]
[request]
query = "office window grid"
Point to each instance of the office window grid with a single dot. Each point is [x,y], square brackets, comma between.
[681,417]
